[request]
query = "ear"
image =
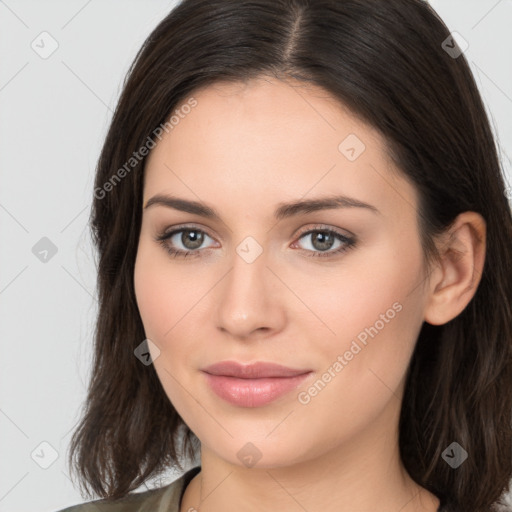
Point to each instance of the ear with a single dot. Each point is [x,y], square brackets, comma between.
[455,279]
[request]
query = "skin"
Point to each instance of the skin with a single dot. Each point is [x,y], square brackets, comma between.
[244,150]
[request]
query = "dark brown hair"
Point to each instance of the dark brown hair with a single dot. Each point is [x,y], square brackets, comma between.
[384,60]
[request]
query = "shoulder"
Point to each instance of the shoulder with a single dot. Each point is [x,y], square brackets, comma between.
[142,501]
[131,503]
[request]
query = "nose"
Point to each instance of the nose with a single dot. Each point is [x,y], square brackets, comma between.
[250,300]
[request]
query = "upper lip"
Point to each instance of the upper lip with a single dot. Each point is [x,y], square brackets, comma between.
[256,370]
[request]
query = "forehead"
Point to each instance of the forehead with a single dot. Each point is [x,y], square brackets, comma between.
[265,136]
[265,105]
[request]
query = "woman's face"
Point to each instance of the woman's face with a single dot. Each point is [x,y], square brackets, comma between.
[344,305]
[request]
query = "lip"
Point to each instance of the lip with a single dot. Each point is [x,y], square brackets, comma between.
[258,370]
[252,385]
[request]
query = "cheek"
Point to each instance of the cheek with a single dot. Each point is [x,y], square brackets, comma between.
[379,285]
[373,307]
[163,299]
[376,320]
[162,291]
[171,303]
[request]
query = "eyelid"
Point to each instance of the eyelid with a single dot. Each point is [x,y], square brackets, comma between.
[299,234]
[187,227]
[325,227]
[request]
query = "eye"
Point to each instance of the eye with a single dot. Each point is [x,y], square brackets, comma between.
[190,239]
[323,240]
[187,241]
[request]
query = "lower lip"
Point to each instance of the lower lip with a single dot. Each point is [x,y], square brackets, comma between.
[253,392]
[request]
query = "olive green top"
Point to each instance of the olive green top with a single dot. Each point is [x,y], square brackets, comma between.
[163,499]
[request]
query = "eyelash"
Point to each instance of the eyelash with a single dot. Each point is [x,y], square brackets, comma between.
[348,242]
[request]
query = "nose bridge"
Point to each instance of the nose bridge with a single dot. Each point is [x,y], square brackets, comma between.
[248,298]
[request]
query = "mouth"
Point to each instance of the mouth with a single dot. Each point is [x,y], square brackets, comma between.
[252,385]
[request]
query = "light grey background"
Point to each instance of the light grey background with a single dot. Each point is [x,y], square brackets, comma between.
[54,115]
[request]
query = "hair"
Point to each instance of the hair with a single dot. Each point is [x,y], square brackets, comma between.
[385,61]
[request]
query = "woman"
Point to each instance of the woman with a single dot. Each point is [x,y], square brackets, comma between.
[305,268]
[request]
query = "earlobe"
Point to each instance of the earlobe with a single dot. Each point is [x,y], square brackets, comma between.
[454,281]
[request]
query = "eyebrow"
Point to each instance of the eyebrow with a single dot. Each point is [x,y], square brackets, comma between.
[283,211]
